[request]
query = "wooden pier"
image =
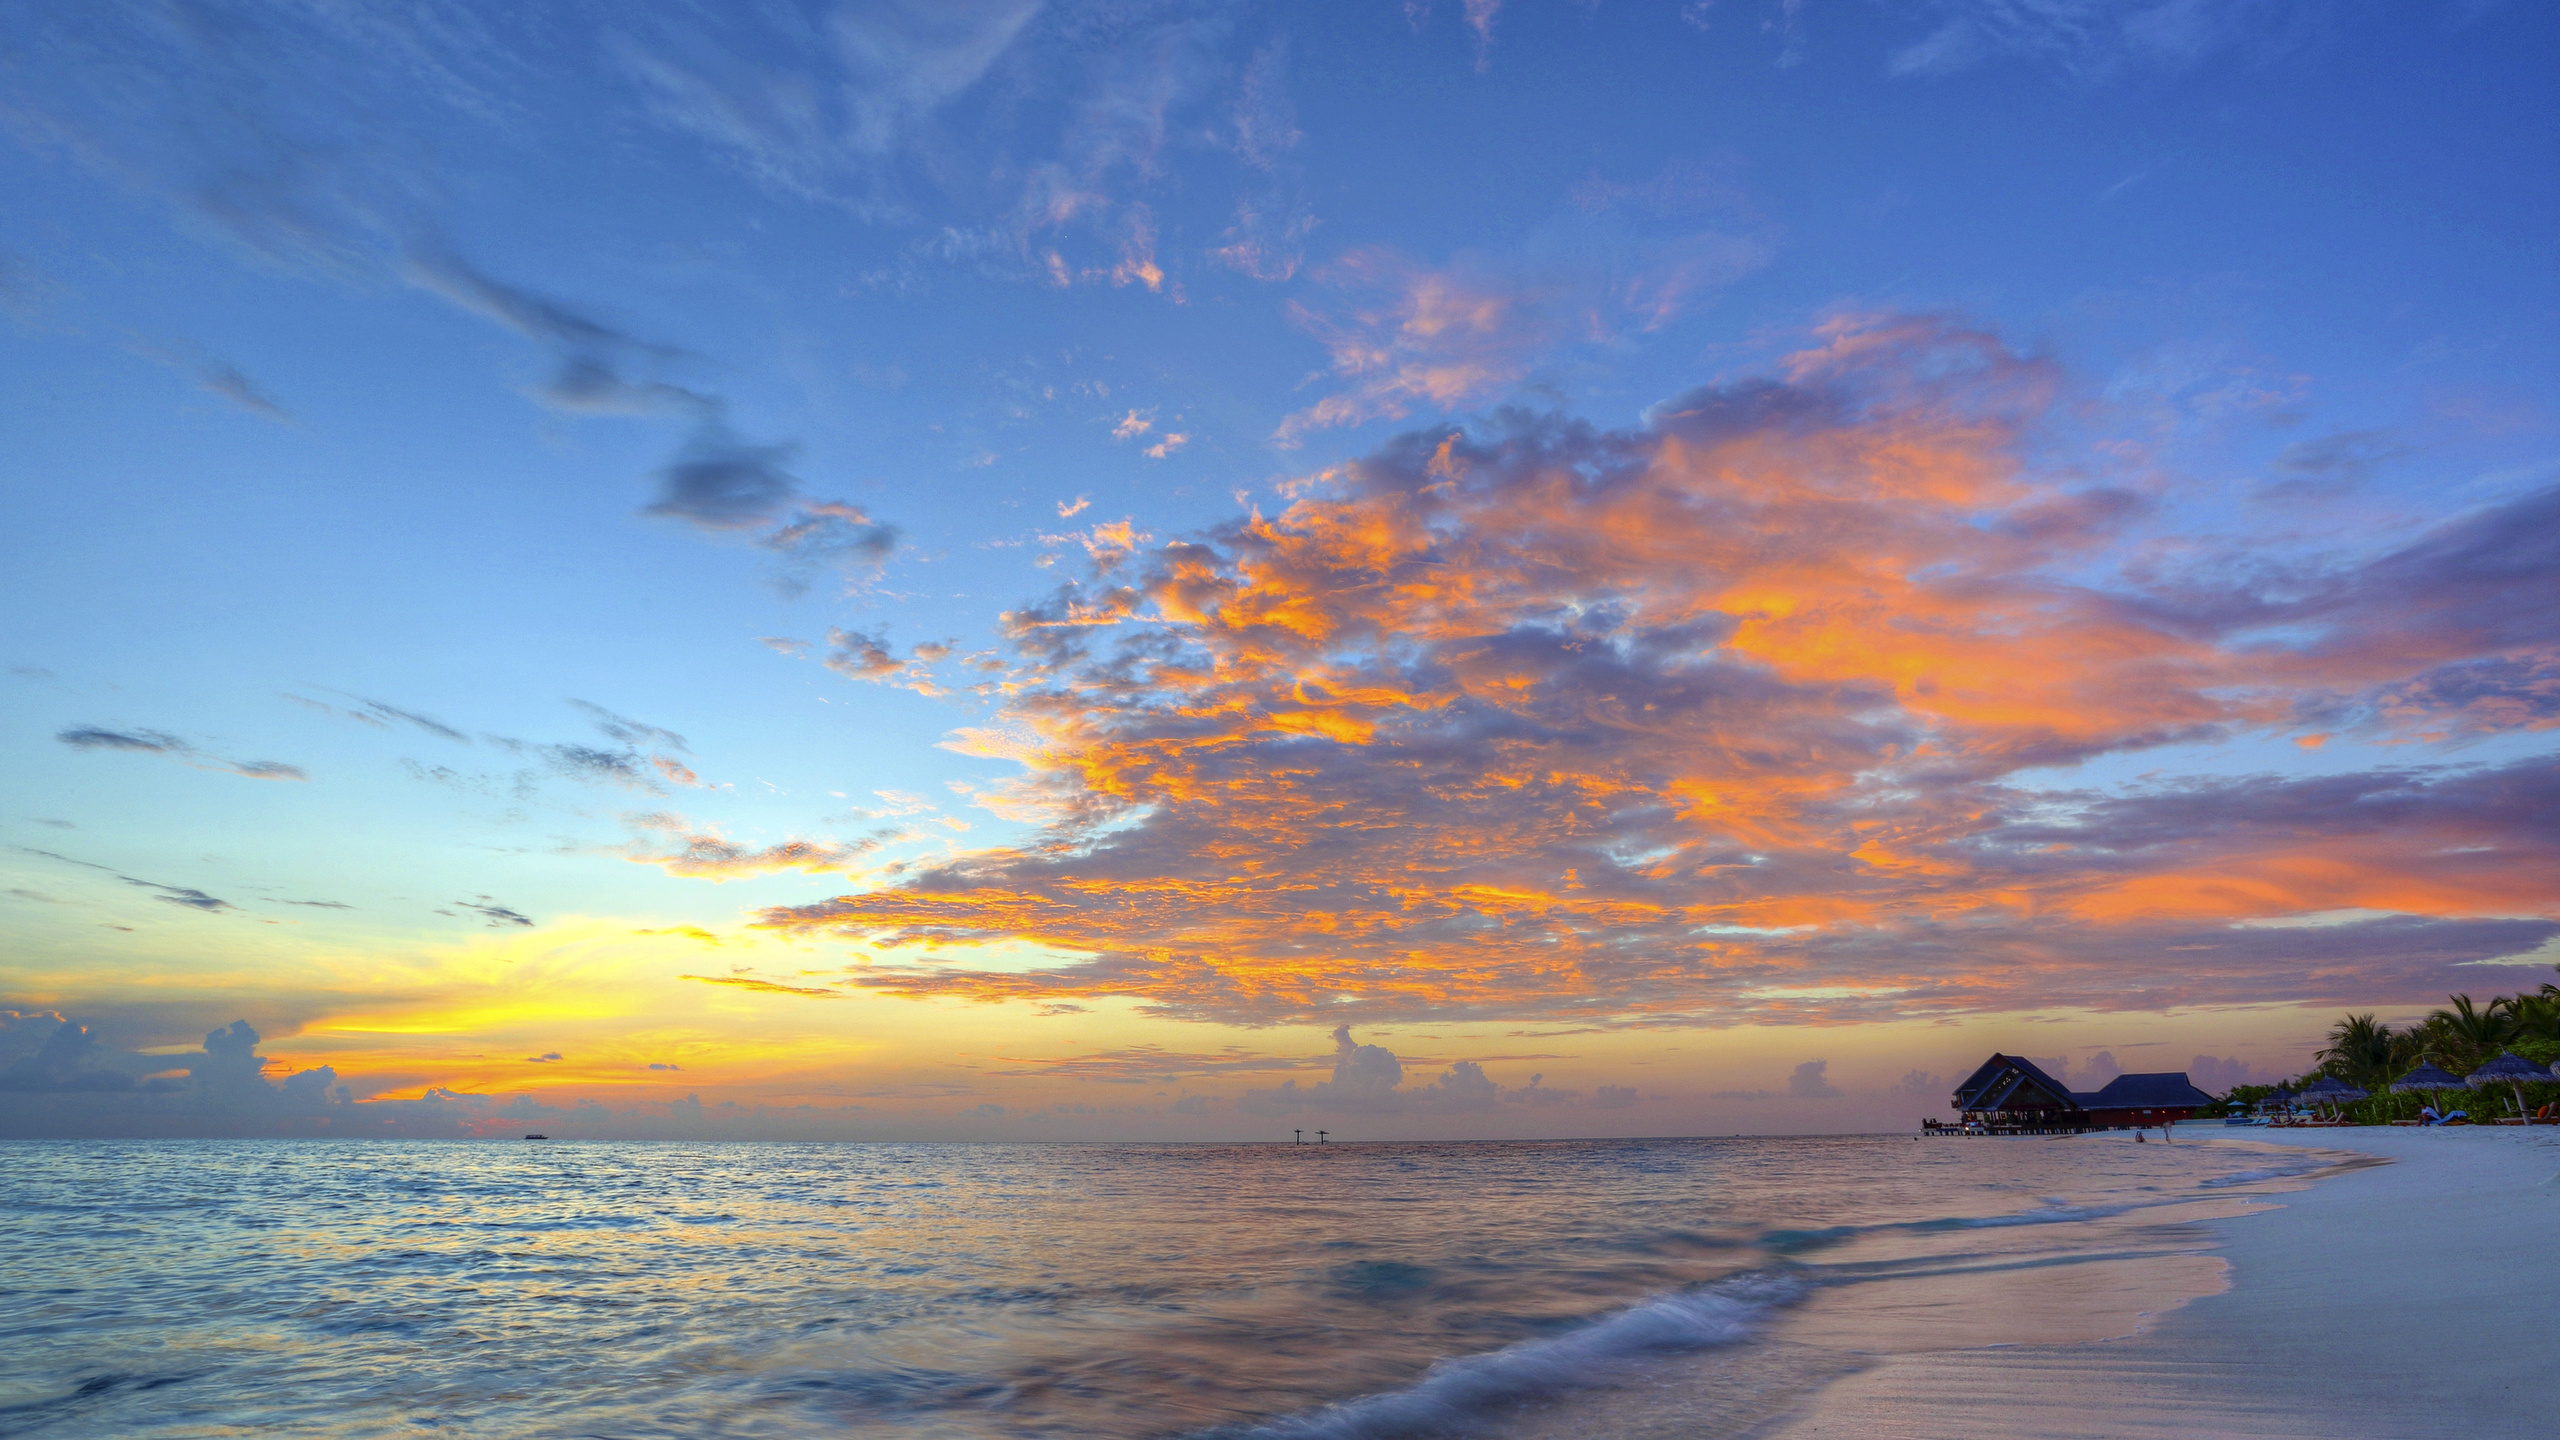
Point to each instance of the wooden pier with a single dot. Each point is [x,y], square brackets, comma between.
[1978,1131]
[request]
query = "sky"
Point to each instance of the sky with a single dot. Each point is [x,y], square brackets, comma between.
[1165,569]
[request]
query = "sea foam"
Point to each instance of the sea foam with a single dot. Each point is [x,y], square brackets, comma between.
[1725,1312]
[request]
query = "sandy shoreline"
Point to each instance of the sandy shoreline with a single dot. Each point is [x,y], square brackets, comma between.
[2401,1301]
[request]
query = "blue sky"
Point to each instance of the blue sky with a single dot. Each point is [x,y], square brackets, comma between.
[466,410]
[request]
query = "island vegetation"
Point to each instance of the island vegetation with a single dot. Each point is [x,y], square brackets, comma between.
[2458,1039]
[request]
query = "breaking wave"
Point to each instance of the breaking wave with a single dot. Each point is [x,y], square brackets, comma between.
[1725,1312]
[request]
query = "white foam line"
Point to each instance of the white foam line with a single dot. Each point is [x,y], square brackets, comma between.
[1723,1313]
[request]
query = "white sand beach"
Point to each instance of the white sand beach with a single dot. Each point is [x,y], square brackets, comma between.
[2405,1296]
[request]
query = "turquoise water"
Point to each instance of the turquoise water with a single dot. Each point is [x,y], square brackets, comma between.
[576,1289]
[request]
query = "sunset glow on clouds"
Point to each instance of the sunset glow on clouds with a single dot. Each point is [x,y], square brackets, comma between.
[1726,717]
[1015,569]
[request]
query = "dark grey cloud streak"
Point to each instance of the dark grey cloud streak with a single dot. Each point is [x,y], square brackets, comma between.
[182,895]
[716,481]
[160,742]
[498,916]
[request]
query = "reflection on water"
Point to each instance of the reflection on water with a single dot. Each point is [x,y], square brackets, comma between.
[660,1289]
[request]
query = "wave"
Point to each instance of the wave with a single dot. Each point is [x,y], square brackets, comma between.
[1725,1312]
[2053,1212]
[2252,1177]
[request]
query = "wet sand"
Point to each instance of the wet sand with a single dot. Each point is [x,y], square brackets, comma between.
[2406,1295]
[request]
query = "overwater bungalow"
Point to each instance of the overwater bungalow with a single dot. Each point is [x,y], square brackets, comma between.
[2140,1100]
[2009,1095]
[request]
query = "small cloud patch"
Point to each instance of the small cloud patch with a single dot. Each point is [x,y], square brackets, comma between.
[159,742]
[497,915]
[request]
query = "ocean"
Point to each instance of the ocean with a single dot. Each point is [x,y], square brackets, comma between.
[647,1289]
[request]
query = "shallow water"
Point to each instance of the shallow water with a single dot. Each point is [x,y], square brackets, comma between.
[365,1288]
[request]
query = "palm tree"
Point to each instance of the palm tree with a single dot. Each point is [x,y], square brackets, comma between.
[2535,1016]
[2469,1034]
[2359,1050]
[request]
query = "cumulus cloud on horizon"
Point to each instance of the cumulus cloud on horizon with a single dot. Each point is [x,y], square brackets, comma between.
[1369,1080]
[63,1079]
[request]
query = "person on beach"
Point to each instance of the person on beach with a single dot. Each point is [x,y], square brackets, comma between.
[2427,1115]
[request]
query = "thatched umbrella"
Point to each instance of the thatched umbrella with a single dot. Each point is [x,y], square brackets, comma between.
[2331,1091]
[2508,1069]
[2429,1079]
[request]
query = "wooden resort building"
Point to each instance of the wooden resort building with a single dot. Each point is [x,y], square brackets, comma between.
[2009,1095]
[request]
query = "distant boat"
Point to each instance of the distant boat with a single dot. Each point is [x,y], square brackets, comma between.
[537,1137]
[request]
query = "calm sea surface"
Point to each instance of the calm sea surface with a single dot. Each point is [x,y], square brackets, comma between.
[577,1289]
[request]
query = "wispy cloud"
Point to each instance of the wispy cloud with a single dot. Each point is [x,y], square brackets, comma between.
[182,895]
[498,916]
[864,106]
[635,733]
[689,932]
[593,357]
[769,987]
[379,711]
[160,742]
[218,377]
[2094,39]
[698,852]
[1153,1064]
[1406,338]
[866,80]
[1273,221]
[226,381]
[1413,337]
[717,480]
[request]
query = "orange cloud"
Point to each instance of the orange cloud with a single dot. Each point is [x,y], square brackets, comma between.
[675,846]
[770,987]
[1403,336]
[1418,336]
[1734,714]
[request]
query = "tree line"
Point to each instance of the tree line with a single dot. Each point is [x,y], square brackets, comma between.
[2459,1038]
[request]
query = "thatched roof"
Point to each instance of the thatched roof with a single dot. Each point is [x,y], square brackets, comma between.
[2165,1090]
[2509,1069]
[2427,1077]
